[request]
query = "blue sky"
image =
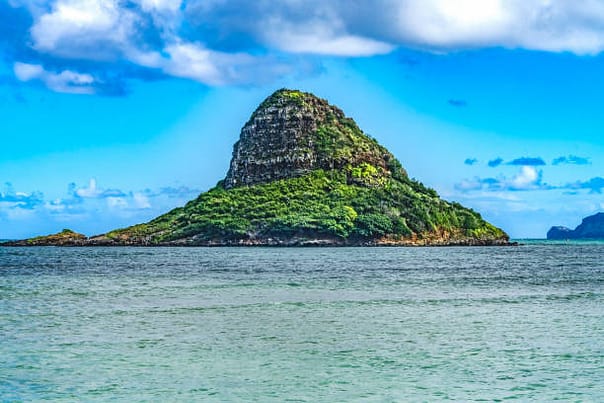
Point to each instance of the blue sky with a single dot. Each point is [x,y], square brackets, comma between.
[113,112]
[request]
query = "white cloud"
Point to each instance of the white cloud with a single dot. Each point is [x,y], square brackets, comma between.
[106,30]
[89,208]
[366,28]
[117,203]
[88,192]
[26,72]
[444,23]
[65,81]
[93,29]
[192,61]
[194,39]
[160,5]
[320,37]
[549,25]
[337,45]
[527,179]
[141,201]
[196,62]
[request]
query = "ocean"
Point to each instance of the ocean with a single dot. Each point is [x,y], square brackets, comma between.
[303,324]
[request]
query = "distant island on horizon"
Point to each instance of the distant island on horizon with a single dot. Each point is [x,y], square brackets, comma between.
[302,174]
[591,227]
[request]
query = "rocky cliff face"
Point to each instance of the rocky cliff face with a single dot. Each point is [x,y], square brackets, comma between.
[591,227]
[293,133]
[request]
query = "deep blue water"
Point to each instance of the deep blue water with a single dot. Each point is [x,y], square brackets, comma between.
[303,324]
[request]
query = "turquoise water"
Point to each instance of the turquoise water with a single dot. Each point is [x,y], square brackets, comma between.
[302,324]
[531,241]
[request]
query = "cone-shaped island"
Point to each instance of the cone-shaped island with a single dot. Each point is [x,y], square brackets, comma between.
[303,173]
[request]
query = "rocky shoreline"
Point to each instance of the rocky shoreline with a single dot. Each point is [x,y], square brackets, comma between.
[68,238]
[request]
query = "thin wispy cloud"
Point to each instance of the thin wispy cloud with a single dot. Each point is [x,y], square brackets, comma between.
[470,161]
[527,161]
[174,192]
[593,185]
[495,162]
[11,199]
[528,179]
[93,199]
[522,161]
[458,103]
[571,160]
[64,81]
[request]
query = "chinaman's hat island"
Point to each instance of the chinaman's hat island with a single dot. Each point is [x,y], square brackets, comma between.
[302,173]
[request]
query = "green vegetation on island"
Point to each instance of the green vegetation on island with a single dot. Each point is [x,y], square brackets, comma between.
[65,237]
[303,173]
[339,186]
[323,204]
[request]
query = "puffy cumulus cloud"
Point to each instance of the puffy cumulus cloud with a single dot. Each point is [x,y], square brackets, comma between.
[319,37]
[65,81]
[91,29]
[442,25]
[527,179]
[87,46]
[102,41]
[92,191]
[11,199]
[470,161]
[196,62]
[547,25]
[462,23]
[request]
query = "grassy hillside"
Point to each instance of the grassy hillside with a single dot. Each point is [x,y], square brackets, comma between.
[353,204]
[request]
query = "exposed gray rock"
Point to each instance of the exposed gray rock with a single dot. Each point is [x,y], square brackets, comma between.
[289,136]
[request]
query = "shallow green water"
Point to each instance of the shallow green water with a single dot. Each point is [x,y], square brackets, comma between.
[302,324]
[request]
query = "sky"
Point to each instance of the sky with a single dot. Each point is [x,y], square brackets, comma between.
[115,111]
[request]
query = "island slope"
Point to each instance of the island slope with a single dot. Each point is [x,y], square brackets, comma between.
[591,227]
[302,173]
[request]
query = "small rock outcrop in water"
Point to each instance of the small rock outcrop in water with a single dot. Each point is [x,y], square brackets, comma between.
[66,237]
[591,227]
[302,173]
